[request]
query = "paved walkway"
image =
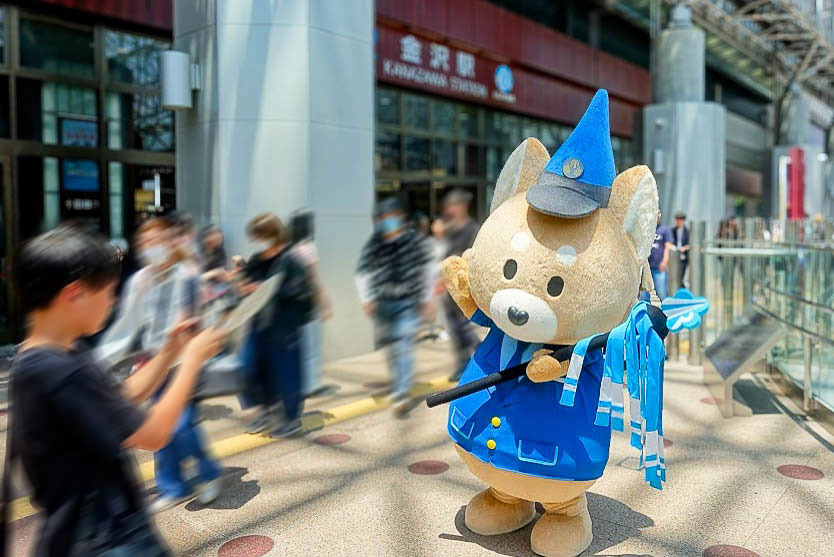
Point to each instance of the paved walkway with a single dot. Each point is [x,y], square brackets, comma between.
[369,483]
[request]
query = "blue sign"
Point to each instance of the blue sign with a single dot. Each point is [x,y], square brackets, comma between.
[504,80]
[80,175]
[79,133]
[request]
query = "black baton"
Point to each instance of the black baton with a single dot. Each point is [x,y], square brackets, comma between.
[562,354]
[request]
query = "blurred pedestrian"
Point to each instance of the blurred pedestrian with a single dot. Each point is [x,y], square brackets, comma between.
[212,249]
[459,231]
[302,230]
[391,277]
[71,423]
[681,233]
[659,257]
[439,326]
[272,353]
[162,293]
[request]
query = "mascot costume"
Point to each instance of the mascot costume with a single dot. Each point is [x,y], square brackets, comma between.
[560,261]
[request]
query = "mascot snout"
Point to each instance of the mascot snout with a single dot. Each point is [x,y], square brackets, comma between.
[523,316]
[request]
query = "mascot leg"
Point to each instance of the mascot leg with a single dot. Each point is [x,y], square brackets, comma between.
[564,530]
[492,512]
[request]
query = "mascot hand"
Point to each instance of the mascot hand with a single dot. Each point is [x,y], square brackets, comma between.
[544,368]
[455,272]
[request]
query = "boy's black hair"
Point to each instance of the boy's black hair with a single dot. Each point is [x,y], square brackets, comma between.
[49,262]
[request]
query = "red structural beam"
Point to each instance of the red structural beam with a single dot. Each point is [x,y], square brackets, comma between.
[158,14]
[499,32]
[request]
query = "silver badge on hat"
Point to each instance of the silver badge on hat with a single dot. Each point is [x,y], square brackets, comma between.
[573,168]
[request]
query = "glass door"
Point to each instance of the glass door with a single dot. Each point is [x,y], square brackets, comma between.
[8,324]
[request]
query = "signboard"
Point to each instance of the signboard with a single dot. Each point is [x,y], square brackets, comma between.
[79,133]
[79,175]
[414,60]
[411,60]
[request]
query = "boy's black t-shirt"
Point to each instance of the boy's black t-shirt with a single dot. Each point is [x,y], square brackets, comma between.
[69,422]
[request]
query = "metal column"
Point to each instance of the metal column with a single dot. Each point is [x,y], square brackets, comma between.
[697,233]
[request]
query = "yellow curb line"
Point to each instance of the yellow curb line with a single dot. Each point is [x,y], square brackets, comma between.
[22,507]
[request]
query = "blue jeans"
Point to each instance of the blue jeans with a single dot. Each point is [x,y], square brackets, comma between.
[659,278]
[401,330]
[272,364]
[186,442]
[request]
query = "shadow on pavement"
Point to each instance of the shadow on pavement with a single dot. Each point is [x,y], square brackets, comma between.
[211,412]
[614,522]
[235,494]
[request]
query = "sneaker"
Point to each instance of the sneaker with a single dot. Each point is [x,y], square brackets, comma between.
[324,389]
[264,422]
[165,502]
[287,429]
[210,491]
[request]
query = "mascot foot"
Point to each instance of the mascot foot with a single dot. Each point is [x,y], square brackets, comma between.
[564,530]
[491,512]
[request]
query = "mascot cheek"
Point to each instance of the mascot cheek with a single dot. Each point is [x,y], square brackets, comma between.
[523,316]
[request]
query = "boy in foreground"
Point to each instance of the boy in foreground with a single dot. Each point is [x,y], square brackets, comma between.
[72,423]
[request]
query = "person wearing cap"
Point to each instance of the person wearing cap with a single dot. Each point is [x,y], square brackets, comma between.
[392,277]
[681,234]
[459,231]
[659,257]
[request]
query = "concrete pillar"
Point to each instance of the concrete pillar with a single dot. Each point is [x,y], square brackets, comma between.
[284,120]
[796,118]
[679,75]
[683,136]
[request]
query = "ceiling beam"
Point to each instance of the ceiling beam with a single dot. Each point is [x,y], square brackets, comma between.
[750,6]
[814,70]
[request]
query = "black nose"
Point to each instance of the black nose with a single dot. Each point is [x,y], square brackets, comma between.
[517,316]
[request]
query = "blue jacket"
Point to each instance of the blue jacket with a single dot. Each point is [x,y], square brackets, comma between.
[530,431]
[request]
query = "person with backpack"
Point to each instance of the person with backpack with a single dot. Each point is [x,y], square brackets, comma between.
[272,353]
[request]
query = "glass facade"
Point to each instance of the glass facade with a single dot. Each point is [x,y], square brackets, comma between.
[426,145]
[83,135]
[86,101]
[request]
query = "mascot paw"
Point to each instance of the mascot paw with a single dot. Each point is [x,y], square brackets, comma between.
[544,368]
[455,273]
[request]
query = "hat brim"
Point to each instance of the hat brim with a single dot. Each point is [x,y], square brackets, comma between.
[560,202]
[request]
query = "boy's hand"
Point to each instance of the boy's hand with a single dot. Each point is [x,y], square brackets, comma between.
[206,344]
[181,334]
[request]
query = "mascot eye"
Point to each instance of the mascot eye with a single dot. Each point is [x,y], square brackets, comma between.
[555,286]
[510,269]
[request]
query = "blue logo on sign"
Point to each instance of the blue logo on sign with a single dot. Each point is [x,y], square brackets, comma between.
[504,79]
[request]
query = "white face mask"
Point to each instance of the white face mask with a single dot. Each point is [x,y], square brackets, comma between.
[261,246]
[153,255]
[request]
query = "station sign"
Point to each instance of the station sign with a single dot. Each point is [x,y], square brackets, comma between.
[412,60]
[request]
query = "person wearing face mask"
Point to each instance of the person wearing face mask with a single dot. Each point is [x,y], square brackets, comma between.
[272,352]
[394,284]
[155,299]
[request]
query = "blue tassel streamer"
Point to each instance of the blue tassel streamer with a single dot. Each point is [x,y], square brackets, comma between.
[634,355]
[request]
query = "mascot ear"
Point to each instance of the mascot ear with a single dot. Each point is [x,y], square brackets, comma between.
[520,171]
[634,201]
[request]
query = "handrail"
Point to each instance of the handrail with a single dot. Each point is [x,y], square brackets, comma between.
[749,252]
[795,297]
[759,244]
[758,307]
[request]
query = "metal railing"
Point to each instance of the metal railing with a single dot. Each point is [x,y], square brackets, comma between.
[782,269]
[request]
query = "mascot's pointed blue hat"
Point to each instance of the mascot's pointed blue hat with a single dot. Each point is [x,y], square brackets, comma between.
[577,180]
